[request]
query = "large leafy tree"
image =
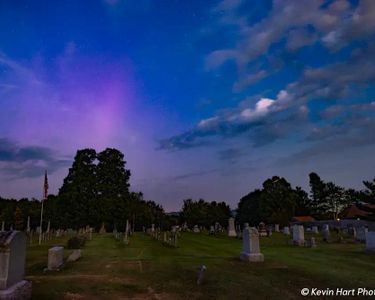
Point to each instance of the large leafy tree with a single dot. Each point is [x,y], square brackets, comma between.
[78,194]
[303,202]
[278,200]
[335,200]
[318,193]
[18,219]
[205,213]
[248,210]
[95,190]
[369,192]
[113,186]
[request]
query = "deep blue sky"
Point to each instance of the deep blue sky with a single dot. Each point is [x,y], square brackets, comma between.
[206,99]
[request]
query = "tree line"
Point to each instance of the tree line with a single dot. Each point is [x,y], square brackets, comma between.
[278,202]
[96,191]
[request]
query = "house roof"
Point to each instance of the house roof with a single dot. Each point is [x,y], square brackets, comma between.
[303,219]
[355,211]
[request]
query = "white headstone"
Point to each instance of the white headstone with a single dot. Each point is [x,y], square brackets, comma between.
[311,242]
[28,224]
[325,232]
[55,258]
[48,226]
[286,230]
[361,234]
[277,228]
[250,246]
[196,229]
[152,227]
[315,229]
[231,228]
[298,235]
[76,255]
[102,229]
[126,240]
[370,241]
[3,226]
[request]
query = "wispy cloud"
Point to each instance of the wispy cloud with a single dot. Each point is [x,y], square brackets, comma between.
[299,23]
[265,120]
[18,161]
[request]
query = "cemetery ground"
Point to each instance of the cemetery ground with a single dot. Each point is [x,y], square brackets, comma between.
[146,269]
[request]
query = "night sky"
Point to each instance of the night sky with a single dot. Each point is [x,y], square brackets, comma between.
[206,99]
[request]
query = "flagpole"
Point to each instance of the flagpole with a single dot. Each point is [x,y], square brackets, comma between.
[45,194]
[41,223]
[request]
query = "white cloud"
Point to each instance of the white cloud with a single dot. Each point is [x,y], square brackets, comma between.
[207,123]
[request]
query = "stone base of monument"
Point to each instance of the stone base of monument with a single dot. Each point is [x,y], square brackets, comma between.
[262,233]
[252,257]
[299,243]
[232,233]
[19,291]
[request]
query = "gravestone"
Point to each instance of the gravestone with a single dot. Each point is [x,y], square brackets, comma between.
[277,228]
[212,230]
[269,232]
[298,235]
[231,228]
[370,241]
[102,229]
[126,239]
[361,234]
[196,229]
[286,230]
[315,229]
[12,266]
[55,258]
[3,226]
[152,227]
[311,242]
[239,232]
[262,229]
[325,233]
[28,224]
[185,227]
[250,246]
[76,255]
[201,273]
[174,241]
[354,232]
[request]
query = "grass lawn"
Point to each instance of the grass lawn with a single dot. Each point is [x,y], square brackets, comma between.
[146,269]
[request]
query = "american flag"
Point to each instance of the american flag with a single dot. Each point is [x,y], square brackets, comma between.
[45,185]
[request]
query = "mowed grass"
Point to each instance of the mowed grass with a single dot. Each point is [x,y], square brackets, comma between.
[146,269]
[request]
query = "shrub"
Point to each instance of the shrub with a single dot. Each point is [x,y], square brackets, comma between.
[76,242]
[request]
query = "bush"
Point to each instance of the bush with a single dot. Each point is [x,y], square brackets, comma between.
[76,242]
